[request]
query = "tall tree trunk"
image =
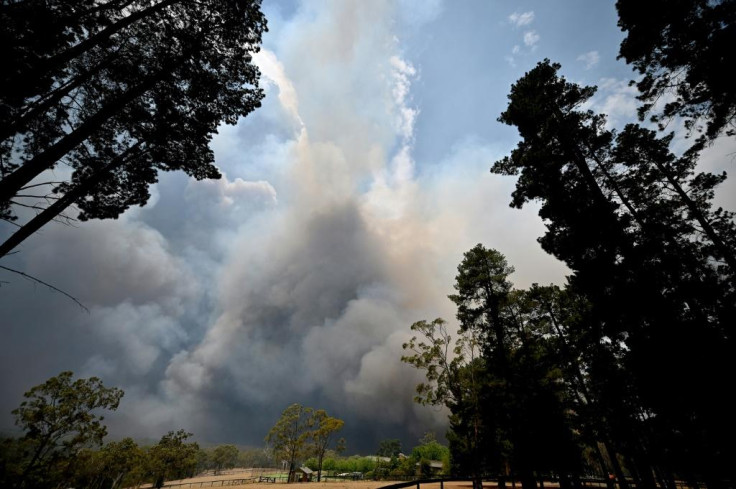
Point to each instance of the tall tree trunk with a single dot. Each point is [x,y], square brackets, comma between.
[726,252]
[583,388]
[604,467]
[617,470]
[644,468]
[116,480]
[564,481]
[62,203]
[527,479]
[13,182]
[319,467]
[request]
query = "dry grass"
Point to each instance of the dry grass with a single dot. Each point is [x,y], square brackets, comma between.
[205,480]
[337,485]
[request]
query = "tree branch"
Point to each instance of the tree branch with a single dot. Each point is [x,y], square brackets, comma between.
[39,281]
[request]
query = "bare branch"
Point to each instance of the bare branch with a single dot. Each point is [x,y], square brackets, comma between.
[29,196]
[39,281]
[11,222]
[41,184]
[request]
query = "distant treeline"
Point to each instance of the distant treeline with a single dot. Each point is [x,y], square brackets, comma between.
[62,446]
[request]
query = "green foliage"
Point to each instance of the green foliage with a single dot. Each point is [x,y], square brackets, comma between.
[389,448]
[121,463]
[289,436]
[62,443]
[429,450]
[354,463]
[225,457]
[59,417]
[302,431]
[321,435]
[173,457]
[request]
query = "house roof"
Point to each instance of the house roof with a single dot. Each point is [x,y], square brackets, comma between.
[435,464]
[306,470]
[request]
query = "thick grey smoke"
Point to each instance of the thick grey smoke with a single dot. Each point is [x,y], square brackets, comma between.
[293,279]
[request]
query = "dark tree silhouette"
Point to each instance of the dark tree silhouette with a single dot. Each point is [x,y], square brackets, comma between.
[508,404]
[652,258]
[683,49]
[117,91]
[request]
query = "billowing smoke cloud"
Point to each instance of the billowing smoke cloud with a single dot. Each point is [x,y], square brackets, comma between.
[296,277]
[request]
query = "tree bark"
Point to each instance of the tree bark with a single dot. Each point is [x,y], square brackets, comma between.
[319,468]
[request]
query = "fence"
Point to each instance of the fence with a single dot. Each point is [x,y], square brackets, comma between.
[419,482]
[587,483]
[215,483]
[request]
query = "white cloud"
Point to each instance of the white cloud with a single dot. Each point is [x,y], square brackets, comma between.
[273,70]
[591,58]
[402,74]
[531,38]
[521,19]
[616,99]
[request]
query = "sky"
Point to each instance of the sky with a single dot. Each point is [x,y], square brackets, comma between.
[346,203]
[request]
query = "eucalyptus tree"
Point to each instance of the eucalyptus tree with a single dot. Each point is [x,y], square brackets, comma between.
[173,457]
[323,432]
[455,372]
[59,418]
[225,457]
[119,460]
[289,436]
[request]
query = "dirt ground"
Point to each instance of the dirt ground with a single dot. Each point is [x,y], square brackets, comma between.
[207,479]
[347,485]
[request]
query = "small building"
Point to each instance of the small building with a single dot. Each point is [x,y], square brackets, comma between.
[432,468]
[303,474]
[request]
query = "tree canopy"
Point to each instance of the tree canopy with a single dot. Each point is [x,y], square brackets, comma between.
[684,51]
[173,457]
[225,457]
[649,254]
[59,415]
[288,437]
[323,431]
[59,418]
[116,91]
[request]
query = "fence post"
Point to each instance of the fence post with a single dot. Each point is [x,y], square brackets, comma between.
[442,484]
